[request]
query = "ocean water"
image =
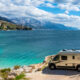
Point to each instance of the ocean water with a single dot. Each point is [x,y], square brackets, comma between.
[31,47]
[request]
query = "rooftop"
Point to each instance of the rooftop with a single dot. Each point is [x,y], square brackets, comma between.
[70,51]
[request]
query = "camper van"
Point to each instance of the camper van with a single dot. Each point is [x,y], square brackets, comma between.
[66,59]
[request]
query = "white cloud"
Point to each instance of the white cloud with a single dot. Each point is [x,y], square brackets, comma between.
[28,8]
[69,20]
[66,12]
[49,5]
[69,7]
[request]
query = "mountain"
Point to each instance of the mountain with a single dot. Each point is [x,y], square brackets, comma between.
[27,21]
[5,19]
[56,26]
[37,24]
[6,24]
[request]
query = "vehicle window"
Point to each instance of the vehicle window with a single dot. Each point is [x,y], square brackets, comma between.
[56,58]
[73,57]
[63,57]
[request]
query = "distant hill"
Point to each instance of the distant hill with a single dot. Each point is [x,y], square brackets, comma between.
[5,19]
[6,24]
[56,26]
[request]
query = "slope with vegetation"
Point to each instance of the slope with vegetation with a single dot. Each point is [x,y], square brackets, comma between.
[4,25]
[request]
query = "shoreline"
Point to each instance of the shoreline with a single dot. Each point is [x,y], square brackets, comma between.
[40,72]
[35,63]
[17,70]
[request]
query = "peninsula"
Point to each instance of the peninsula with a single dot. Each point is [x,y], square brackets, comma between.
[5,25]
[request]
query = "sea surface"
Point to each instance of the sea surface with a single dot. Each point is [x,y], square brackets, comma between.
[31,47]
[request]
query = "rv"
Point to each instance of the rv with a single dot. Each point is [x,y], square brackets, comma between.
[66,59]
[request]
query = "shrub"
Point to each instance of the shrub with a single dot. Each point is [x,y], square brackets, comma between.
[21,77]
[4,73]
[4,76]
[16,67]
[5,70]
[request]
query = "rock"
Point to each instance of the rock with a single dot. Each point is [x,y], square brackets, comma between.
[27,69]
[1,78]
[11,77]
[47,58]
[12,73]
[18,71]
[33,66]
[39,69]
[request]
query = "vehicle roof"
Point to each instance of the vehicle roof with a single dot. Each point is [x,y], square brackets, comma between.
[72,51]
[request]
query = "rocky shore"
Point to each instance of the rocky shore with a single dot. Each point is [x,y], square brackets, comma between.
[12,73]
[38,72]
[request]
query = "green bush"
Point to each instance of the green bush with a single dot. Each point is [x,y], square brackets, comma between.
[21,77]
[4,73]
[4,76]
[5,70]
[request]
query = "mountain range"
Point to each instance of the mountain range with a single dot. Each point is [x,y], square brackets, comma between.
[37,24]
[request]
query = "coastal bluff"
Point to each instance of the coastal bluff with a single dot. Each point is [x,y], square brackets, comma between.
[12,73]
[38,72]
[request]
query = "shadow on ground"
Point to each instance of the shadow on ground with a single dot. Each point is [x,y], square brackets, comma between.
[60,72]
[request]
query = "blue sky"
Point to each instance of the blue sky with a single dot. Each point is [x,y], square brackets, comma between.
[66,12]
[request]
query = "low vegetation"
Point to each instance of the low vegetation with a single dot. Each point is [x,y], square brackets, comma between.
[4,73]
[21,77]
[16,67]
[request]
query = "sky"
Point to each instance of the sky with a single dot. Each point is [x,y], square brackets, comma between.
[66,12]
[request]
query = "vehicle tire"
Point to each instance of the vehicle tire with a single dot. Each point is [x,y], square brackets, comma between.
[78,68]
[52,66]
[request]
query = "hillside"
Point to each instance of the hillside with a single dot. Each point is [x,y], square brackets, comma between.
[57,26]
[5,19]
[5,25]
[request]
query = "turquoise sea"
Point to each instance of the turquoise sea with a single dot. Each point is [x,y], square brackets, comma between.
[31,47]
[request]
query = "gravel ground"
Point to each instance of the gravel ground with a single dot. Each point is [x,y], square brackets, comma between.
[47,74]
